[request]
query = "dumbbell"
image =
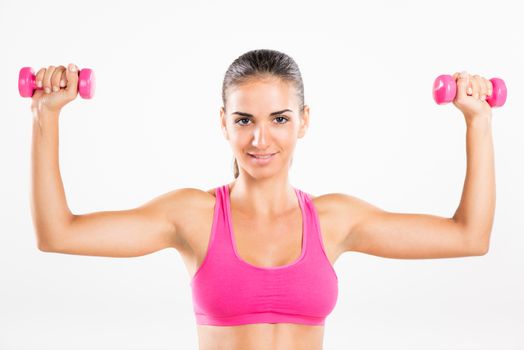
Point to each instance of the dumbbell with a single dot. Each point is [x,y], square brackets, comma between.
[445,89]
[27,84]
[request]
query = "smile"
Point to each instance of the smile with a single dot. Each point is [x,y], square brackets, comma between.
[265,156]
[262,159]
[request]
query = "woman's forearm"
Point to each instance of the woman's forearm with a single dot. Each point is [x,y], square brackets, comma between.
[49,208]
[477,205]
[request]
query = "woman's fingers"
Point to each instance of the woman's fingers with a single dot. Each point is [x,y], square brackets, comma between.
[56,77]
[51,79]
[474,86]
[63,79]
[72,80]
[478,87]
[46,82]
[488,88]
[463,84]
[39,77]
[469,88]
[483,88]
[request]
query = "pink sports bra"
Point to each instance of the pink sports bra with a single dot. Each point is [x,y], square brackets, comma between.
[228,291]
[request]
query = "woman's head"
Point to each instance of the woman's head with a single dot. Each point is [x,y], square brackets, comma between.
[256,85]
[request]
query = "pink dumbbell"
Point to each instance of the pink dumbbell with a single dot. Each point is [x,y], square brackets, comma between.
[27,85]
[445,89]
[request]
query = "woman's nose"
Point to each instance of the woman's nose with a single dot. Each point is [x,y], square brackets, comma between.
[260,136]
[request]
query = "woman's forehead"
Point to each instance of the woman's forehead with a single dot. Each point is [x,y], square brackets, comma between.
[262,94]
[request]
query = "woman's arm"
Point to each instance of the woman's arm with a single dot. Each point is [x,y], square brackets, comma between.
[477,206]
[369,229]
[49,208]
[125,233]
[153,226]
[48,203]
[476,210]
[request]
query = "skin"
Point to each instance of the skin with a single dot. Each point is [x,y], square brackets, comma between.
[263,204]
[263,189]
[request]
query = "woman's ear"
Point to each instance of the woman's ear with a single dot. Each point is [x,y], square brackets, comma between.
[304,121]
[223,124]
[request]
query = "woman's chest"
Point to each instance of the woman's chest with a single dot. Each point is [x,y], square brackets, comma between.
[264,243]
[268,242]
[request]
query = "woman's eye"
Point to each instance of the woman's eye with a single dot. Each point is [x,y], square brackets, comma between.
[282,117]
[241,120]
[238,121]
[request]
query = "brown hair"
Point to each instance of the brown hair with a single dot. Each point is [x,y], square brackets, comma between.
[262,63]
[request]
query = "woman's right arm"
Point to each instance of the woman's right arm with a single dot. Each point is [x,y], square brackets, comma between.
[125,233]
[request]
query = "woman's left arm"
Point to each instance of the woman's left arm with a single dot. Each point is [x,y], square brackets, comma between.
[476,210]
[371,230]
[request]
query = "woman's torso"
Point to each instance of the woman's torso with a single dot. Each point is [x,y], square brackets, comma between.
[258,247]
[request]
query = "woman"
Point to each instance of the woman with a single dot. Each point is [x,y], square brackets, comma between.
[260,252]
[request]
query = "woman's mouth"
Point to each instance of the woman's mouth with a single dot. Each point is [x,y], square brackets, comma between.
[262,158]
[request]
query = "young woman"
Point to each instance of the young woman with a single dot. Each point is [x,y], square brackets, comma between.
[259,251]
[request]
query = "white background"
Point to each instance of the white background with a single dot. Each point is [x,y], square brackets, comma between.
[153,126]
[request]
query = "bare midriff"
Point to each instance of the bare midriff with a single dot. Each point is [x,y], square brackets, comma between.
[261,336]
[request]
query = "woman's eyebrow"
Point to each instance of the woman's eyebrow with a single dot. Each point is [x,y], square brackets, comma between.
[251,115]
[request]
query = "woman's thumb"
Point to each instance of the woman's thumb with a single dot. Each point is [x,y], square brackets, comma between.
[72,80]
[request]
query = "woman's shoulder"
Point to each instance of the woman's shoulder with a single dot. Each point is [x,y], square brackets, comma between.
[191,193]
[184,200]
[334,202]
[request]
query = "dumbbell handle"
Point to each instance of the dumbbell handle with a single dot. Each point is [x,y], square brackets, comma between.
[27,82]
[445,90]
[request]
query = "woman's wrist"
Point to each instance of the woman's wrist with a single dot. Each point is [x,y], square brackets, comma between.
[478,120]
[45,117]
[44,112]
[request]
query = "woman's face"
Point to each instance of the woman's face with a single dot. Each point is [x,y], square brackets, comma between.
[263,118]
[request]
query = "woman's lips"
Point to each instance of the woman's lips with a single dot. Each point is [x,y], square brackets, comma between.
[261,155]
[263,160]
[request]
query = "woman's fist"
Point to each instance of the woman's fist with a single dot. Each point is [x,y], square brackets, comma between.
[471,94]
[59,86]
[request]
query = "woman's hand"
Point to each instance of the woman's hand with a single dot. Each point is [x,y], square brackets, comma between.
[471,95]
[60,86]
